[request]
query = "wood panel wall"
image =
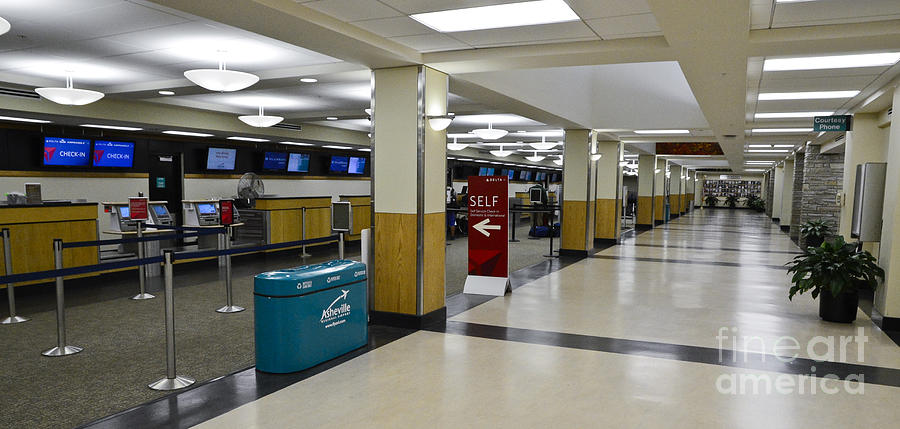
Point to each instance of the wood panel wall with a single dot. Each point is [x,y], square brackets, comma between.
[645,211]
[574,223]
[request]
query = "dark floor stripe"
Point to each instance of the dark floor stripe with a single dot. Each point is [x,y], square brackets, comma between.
[728,249]
[688,261]
[707,355]
[705,230]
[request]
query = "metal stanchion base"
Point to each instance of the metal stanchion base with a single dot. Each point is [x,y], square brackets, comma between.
[514,241]
[231,309]
[141,296]
[14,319]
[65,351]
[176,383]
[551,256]
[305,255]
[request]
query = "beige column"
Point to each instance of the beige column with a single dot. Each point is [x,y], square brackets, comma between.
[409,165]
[659,198]
[787,194]
[675,191]
[867,142]
[609,196]
[578,199]
[778,193]
[646,190]
[887,298]
[688,200]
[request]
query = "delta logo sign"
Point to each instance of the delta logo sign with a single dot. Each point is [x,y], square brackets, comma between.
[59,151]
[113,154]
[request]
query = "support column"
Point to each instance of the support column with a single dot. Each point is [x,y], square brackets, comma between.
[674,191]
[787,195]
[777,194]
[822,182]
[608,183]
[797,198]
[578,199]
[866,143]
[688,201]
[770,191]
[408,174]
[646,191]
[887,297]
[659,196]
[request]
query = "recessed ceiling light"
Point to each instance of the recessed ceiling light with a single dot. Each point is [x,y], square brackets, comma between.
[498,16]
[15,119]
[780,115]
[337,147]
[187,133]
[781,130]
[111,127]
[662,131]
[165,92]
[246,139]
[308,80]
[332,118]
[298,143]
[832,62]
[814,95]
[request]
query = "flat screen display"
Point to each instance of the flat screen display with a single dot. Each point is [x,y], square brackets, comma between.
[490,171]
[523,175]
[160,210]
[482,171]
[113,154]
[275,161]
[70,152]
[339,164]
[554,177]
[124,212]
[206,209]
[357,165]
[512,174]
[528,175]
[298,163]
[220,158]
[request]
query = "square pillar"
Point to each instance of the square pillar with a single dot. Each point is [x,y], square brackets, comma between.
[777,197]
[646,191]
[408,175]
[797,197]
[609,196]
[675,191]
[578,200]
[660,193]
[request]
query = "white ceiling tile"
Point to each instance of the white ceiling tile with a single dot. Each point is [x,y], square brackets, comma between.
[631,35]
[111,19]
[625,25]
[353,10]
[533,33]
[593,9]
[393,27]
[410,7]
[835,11]
[29,34]
[431,42]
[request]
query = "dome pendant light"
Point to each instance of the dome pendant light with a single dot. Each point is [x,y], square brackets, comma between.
[4,26]
[69,96]
[221,79]
[490,133]
[456,146]
[535,158]
[260,120]
[501,153]
[543,145]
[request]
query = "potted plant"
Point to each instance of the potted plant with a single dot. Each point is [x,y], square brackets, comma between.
[711,200]
[756,203]
[834,272]
[731,200]
[815,232]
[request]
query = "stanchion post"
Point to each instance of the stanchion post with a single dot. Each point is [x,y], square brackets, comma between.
[142,273]
[514,215]
[303,253]
[340,245]
[229,299]
[10,288]
[171,381]
[552,215]
[61,348]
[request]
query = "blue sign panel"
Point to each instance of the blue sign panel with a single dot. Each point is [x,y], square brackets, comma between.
[275,161]
[339,164]
[113,154]
[60,151]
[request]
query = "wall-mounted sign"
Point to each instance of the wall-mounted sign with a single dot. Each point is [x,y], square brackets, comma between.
[160,182]
[730,177]
[832,123]
[488,235]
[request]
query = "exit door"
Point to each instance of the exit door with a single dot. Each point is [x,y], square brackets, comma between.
[166,182]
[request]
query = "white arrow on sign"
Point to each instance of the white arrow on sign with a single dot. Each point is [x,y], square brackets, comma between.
[483,226]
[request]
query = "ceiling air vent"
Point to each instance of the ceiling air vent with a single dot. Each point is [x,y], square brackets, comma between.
[19,93]
[730,136]
[287,126]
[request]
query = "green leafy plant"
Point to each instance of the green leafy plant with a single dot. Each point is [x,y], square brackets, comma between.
[836,265]
[731,200]
[756,203]
[815,229]
[711,200]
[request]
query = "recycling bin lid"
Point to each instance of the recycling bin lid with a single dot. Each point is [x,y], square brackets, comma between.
[308,278]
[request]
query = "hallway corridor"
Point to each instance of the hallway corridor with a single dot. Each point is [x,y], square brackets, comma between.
[649,333]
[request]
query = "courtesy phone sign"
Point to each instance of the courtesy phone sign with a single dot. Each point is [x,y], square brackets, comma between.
[488,220]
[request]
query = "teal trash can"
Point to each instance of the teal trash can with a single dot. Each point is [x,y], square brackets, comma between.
[307,315]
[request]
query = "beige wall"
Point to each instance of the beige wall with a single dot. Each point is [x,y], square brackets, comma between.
[887,298]
[866,143]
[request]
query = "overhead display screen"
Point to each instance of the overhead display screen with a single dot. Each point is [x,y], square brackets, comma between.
[113,154]
[220,158]
[70,152]
[523,175]
[512,174]
[339,164]
[276,161]
[357,165]
[298,163]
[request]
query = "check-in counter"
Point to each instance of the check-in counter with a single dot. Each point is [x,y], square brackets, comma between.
[33,227]
[361,205]
[279,219]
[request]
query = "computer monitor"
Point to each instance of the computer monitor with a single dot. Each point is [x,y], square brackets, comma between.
[206,209]
[536,195]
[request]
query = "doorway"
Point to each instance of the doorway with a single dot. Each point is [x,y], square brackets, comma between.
[166,182]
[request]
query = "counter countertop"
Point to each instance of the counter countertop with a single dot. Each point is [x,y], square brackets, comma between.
[46,204]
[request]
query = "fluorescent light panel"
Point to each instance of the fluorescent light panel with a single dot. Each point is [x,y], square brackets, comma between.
[815,95]
[298,143]
[768,150]
[662,131]
[498,16]
[780,115]
[246,139]
[111,127]
[186,133]
[15,119]
[337,147]
[832,62]
[781,130]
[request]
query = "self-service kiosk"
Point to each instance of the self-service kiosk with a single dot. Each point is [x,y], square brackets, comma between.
[204,213]
[120,222]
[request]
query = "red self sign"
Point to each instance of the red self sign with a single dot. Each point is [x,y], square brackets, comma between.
[137,207]
[488,211]
[226,212]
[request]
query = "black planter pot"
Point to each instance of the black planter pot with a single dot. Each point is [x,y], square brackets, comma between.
[841,309]
[814,241]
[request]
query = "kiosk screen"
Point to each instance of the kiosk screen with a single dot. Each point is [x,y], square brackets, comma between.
[124,212]
[161,210]
[206,209]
